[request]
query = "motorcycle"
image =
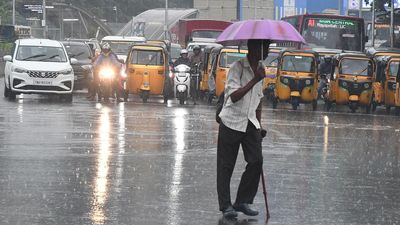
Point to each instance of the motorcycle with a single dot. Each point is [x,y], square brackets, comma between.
[111,82]
[323,86]
[182,83]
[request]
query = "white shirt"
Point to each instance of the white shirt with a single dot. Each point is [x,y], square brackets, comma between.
[236,115]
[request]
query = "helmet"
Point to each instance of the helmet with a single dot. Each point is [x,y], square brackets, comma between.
[196,47]
[106,46]
[184,51]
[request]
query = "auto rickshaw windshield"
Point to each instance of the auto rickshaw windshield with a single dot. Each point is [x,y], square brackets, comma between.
[359,67]
[146,57]
[394,68]
[120,47]
[271,60]
[298,63]
[228,58]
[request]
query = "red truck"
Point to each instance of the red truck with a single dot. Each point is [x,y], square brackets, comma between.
[195,29]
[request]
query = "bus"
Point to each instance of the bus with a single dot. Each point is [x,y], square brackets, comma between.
[382,34]
[323,31]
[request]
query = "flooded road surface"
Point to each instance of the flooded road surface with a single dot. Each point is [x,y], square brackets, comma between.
[151,164]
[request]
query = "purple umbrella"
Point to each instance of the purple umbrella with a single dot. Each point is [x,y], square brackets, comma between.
[276,31]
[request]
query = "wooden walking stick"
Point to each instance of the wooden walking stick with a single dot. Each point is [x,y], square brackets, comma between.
[265,195]
[263,134]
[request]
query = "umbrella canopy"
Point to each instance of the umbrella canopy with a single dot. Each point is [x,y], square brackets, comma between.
[276,31]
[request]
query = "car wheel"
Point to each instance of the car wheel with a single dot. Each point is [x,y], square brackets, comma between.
[6,91]
[12,95]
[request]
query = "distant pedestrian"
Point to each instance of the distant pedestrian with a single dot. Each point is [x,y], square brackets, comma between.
[241,125]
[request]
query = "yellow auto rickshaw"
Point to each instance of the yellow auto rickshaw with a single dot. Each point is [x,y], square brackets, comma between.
[397,95]
[147,70]
[271,68]
[297,78]
[351,81]
[205,71]
[384,87]
[222,59]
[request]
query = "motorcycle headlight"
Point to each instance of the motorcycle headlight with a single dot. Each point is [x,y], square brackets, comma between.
[19,70]
[106,73]
[366,86]
[66,72]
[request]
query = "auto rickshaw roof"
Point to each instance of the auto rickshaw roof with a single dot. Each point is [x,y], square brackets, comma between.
[374,52]
[351,55]
[228,49]
[149,46]
[386,58]
[299,52]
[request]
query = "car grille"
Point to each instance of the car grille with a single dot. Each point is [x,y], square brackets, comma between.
[42,74]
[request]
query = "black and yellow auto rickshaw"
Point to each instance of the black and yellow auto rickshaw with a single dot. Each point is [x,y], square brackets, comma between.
[384,87]
[205,71]
[297,78]
[147,70]
[271,68]
[222,59]
[397,95]
[351,81]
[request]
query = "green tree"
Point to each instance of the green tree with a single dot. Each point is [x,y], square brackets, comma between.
[5,12]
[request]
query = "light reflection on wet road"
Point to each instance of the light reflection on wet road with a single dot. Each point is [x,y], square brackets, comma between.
[134,163]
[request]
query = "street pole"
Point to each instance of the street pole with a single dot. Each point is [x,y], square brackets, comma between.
[255,9]
[44,19]
[166,21]
[13,12]
[339,7]
[373,24]
[392,24]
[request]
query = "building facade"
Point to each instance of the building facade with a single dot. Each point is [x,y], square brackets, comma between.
[231,10]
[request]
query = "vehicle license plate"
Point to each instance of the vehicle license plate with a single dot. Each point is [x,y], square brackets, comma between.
[42,82]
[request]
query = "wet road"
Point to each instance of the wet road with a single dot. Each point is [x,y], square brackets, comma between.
[150,164]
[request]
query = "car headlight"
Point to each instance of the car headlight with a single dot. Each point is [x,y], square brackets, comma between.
[19,70]
[66,72]
[366,85]
[344,84]
[87,67]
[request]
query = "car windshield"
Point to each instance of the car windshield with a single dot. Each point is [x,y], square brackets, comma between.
[359,67]
[120,48]
[41,53]
[79,52]
[297,63]
[228,58]
[206,34]
[394,68]
[147,57]
[271,60]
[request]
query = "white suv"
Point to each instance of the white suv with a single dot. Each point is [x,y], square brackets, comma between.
[38,66]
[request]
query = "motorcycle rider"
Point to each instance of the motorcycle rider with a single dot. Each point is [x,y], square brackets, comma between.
[196,60]
[106,57]
[325,73]
[183,58]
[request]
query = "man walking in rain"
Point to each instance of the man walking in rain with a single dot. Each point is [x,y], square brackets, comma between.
[241,126]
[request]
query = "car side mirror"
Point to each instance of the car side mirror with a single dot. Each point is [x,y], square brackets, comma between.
[73,61]
[7,58]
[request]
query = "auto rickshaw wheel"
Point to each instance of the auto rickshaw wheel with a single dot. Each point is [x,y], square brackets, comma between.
[295,103]
[274,103]
[314,105]
[388,109]
[397,111]
[368,109]
[145,96]
[353,106]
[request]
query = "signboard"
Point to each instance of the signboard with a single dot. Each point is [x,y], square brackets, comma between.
[354,5]
[35,8]
[331,23]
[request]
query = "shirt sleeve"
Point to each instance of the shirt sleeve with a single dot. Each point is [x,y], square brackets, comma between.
[233,79]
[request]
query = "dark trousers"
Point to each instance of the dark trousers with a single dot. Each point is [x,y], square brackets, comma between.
[227,151]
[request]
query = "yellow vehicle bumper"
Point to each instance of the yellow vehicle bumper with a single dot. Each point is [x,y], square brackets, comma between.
[354,98]
[295,94]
